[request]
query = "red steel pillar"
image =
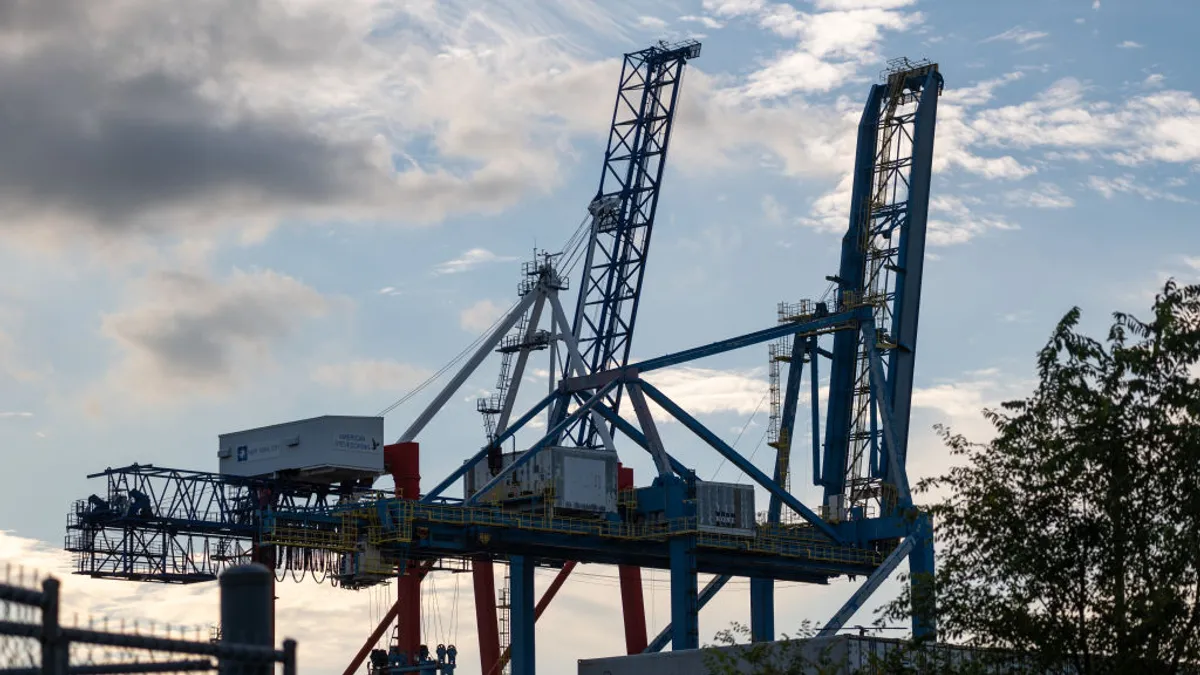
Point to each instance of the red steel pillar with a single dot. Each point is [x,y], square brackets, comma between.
[265,555]
[633,604]
[484,581]
[403,461]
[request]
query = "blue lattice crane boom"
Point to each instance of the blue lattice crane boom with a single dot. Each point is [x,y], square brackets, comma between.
[623,211]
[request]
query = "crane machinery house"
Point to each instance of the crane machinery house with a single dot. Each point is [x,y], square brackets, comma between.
[327,449]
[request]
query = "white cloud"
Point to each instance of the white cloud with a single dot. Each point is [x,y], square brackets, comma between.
[480,316]
[1129,44]
[706,21]
[1126,184]
[797,71]
[14,414]
[979,93]
[831,44]
[469,260]
[652,22]
[1162,126]
[1154,80]
[956,136]
[773,211]
[1019,35]
[863,4]
[952,221]
[188,334]
[367,376]
[702,391]
[1046,196]
[1095,4]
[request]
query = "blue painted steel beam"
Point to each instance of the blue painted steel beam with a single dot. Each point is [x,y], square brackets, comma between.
[840,404]
[787,422]
[707,593]
[738,460]
[762,591]
[523,607]
[921,579]
[910,264]
[762,610]
[685,610]
[898,474]
[815,395]
[638,437]
[869,586]
[649,430]
[544,441]
[477,457]
[827,324]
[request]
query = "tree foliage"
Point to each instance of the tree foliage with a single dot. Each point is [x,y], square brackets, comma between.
[1074,535]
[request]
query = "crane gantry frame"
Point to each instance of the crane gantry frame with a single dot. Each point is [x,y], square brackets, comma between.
[867,526]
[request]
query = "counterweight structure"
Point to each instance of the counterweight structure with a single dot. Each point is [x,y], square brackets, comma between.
[866,526]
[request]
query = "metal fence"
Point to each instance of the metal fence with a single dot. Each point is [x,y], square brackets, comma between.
[33,640]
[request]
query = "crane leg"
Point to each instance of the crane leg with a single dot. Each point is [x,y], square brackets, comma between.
[484,579]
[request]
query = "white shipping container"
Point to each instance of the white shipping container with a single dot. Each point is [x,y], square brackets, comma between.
[575,479]
[725,508]
[324,449]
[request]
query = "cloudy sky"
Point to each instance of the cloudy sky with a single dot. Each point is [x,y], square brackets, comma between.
[226,213]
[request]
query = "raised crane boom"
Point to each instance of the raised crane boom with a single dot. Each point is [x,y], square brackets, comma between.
[623,211]
[881,265]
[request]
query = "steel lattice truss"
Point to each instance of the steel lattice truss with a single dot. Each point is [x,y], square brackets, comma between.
[624,209]
[178,526]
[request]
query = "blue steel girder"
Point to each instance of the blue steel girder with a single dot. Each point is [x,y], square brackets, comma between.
[624,210]
[846,320]
[460,531]
[881,265]
[740,462]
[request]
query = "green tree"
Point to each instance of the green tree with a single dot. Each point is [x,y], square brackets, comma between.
[1074,535]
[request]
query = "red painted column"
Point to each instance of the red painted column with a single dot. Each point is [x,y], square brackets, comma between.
[403,461]
[265,555]
[633,603]
[488,624]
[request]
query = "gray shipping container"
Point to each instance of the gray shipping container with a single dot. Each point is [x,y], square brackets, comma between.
[324,449]
[726,508]
[581,479]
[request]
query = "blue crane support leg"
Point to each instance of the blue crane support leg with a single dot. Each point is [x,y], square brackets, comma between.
[685,610]
[762,591]
[523,615]
[762,610]
[707,593]
[920,568]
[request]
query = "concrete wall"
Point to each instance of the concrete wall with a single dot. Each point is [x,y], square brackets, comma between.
[832,652]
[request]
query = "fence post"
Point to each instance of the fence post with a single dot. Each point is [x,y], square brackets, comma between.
[54,658]
[246,616]
[289,657]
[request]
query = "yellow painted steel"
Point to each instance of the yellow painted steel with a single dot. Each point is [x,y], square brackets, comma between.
[364,524]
